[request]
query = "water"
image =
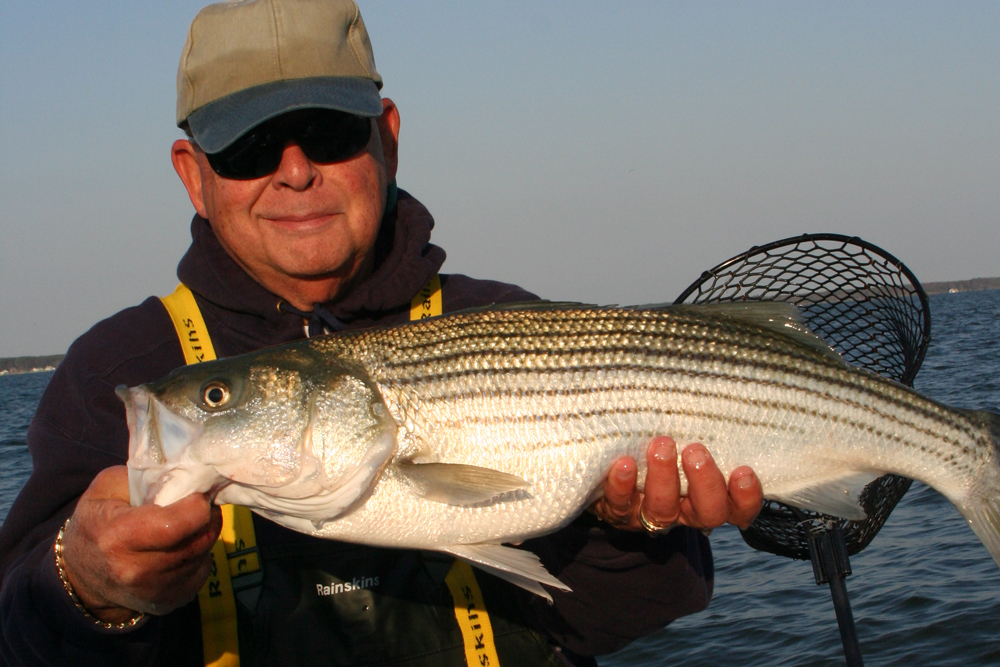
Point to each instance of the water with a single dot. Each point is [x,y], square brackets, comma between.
[19,396]
[925,592]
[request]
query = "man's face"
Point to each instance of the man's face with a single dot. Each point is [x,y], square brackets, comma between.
[306,231]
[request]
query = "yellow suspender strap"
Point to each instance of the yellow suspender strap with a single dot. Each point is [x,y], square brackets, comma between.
[470,612]
[191,329]
[470,609]
[427,302]
[235,563]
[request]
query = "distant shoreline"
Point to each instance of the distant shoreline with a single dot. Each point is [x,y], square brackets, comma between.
[16,365]
[951,286]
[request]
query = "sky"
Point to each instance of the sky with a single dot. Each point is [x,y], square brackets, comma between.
[606,152]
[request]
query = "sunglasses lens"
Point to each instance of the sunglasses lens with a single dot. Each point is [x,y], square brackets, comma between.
[325,136]
[255,154]
[332,137]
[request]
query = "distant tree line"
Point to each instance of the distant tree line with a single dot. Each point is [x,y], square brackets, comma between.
[973,285]
[27,364]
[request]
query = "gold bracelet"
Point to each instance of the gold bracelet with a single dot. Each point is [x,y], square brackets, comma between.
[72,594]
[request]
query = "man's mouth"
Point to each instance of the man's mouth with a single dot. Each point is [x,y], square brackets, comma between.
[302,222]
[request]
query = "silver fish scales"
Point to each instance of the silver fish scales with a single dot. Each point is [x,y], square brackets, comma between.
[499,425]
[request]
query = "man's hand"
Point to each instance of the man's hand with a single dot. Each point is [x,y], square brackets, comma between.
[122,559]
[710,500]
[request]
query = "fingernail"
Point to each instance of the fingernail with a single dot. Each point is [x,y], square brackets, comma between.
[696,456]
[623,470]
[659,451]
[744,482]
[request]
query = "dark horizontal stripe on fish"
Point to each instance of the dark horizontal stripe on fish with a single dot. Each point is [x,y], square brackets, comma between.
[412,373]
[458,362]
[912,406]
[611,412]
[407,340]
[696,414]
[528,394]
[665,343]
[584,341]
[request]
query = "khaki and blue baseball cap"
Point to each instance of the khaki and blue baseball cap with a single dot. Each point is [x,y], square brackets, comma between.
[247,61]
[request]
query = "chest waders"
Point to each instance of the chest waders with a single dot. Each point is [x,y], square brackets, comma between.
[236,563]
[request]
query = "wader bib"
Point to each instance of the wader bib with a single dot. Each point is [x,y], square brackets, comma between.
[278,597]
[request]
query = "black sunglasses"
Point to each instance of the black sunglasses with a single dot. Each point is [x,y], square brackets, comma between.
[324,135]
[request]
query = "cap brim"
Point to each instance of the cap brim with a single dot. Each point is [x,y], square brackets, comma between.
[220,123]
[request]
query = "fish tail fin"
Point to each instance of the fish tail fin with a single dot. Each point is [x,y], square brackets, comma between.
[981,508]
[983,516]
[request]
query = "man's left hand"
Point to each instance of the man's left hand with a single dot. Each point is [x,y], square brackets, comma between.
[710,502]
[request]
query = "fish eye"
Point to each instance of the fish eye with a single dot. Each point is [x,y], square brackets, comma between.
[215,394]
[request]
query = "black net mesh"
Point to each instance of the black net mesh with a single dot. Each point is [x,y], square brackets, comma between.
[870,308]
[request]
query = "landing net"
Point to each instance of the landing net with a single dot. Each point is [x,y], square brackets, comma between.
[870,308]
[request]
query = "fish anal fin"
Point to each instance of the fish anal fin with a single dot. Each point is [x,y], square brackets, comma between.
[517,566]
[459,484]
[836,496]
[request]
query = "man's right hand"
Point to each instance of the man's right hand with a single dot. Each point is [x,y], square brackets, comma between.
[122,559]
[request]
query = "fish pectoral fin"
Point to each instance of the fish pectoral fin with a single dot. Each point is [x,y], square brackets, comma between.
[517,566]
[459,484]
[836,496]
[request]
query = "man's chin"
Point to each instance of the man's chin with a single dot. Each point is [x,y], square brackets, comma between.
[317,281]
[311,272]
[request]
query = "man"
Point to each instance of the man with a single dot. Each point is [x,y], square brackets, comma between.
[300,229]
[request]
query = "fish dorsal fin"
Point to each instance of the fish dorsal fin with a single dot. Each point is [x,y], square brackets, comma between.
[517,566]
[529,305]
[459,484]
[779,317]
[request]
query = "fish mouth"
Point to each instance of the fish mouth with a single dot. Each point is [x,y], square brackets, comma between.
[160,468]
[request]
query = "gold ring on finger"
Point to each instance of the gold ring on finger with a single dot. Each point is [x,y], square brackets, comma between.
[652,527]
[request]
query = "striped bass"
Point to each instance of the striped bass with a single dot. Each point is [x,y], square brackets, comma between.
[463,432]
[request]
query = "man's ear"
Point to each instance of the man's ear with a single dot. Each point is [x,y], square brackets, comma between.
[185,160]
[388,130]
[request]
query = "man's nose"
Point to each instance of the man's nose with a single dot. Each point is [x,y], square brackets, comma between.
[295,171]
